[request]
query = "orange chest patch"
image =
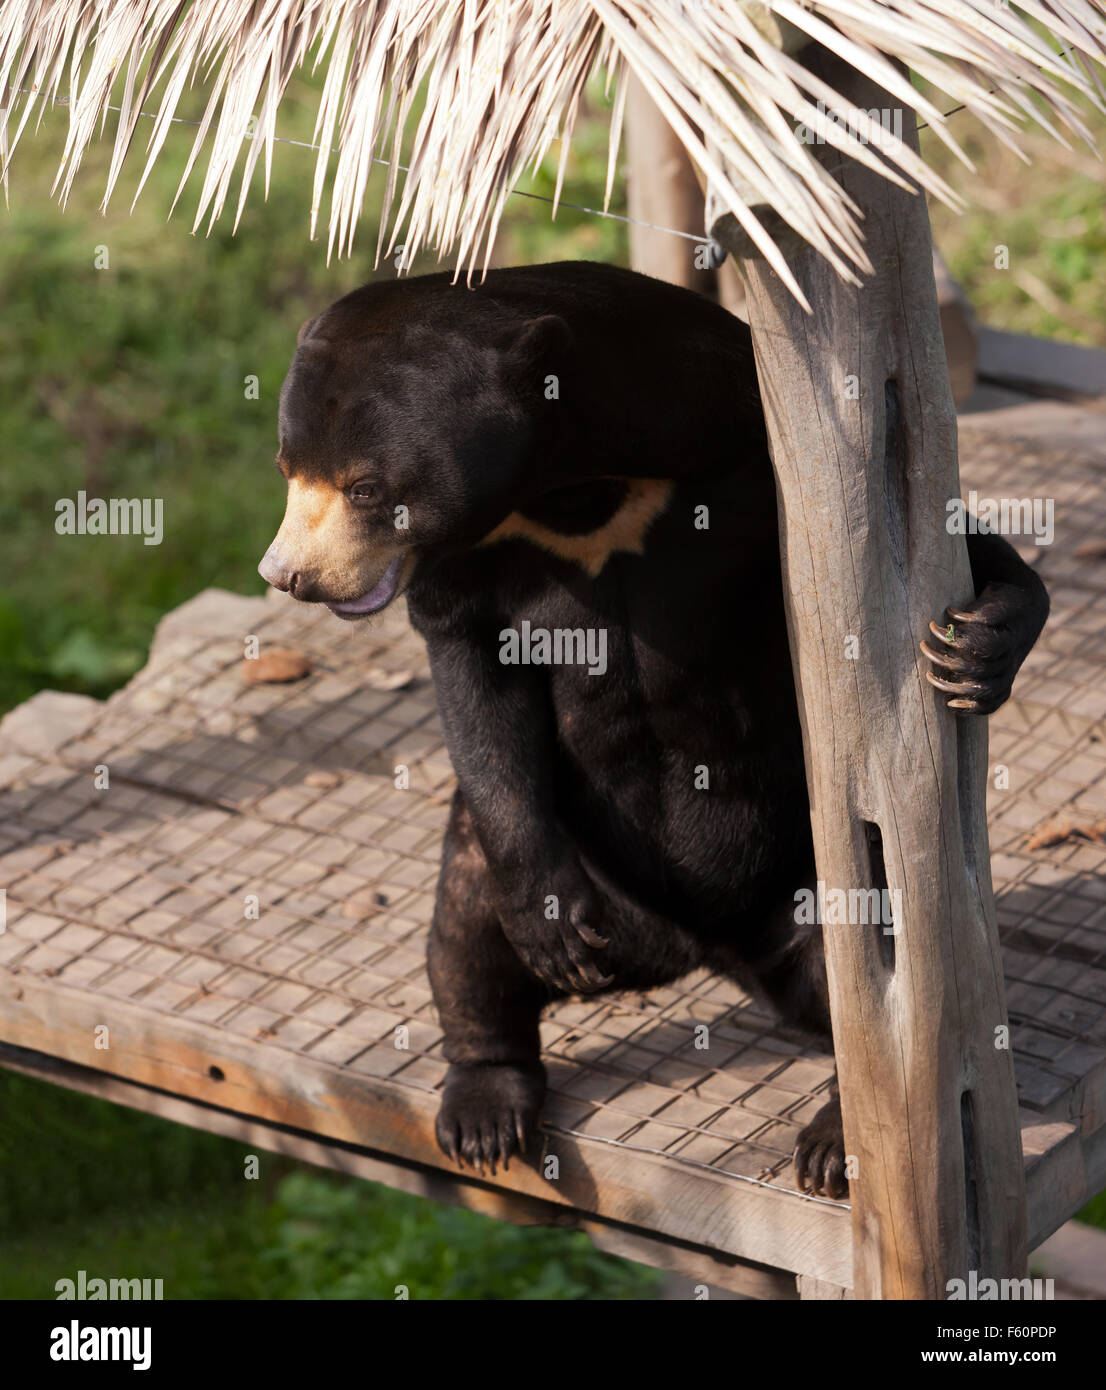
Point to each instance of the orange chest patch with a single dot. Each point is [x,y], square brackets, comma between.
[625,531]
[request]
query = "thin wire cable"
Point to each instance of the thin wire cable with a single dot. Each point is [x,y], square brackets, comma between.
[701,238]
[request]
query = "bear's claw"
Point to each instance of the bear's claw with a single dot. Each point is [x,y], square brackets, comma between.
[819,1155]
[591,937]
[559,950]
[976,663]
[488,1114]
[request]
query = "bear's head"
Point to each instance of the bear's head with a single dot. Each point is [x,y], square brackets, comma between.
[407,424]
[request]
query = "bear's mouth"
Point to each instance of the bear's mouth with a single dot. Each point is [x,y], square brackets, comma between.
[378,597]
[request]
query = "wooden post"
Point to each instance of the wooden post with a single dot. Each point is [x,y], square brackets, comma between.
[662,188]
[863,440]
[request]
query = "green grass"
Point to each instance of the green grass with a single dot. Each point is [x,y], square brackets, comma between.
[1094,1213]
[88,1185]
[1050,215]
[129,381]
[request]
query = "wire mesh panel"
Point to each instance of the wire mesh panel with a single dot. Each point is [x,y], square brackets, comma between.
[262,860]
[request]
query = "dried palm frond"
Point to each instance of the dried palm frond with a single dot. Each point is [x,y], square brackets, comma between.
[501,80]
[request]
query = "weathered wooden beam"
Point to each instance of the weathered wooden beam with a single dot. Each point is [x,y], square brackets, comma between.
[246,1074]
[817,1290]
[957,330]
[663,190]
[863,439]
[698,1264]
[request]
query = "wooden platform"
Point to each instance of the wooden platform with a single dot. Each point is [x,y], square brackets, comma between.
[309,1028]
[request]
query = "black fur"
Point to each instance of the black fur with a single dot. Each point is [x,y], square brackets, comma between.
[583,786]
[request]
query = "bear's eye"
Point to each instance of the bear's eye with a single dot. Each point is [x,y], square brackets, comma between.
[364,490]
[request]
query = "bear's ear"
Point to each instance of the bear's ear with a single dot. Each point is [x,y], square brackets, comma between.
[305,331]
[537,344]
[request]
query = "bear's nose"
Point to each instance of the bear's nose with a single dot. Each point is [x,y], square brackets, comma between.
[276,572]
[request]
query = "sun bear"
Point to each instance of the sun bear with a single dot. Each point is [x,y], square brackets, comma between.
[566,471]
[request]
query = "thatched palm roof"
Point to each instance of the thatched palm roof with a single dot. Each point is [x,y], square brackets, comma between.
[502,79]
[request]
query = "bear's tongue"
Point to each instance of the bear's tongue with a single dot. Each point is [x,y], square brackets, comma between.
[381,593]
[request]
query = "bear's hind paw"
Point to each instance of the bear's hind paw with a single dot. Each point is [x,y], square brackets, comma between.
[489,1114]
[820,1155]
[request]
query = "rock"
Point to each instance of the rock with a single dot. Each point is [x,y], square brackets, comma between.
[376,678]
[221,724]
[323,779]
[280,664]
[149,701]
[45,721]
[1056,832]
[213,614]
[366,902]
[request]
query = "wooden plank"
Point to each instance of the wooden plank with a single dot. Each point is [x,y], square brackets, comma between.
[47,719]
[698,1264]
[457,1189]
[818,1290]
[1041,366]
[929,1102]
[1052,425]
[693,1204]
[1055,1176]
[1094,1161]
[1082,1103]
[958,330]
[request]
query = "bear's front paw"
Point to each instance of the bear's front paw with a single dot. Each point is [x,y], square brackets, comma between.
[978,651]
[489,1113]
[819,1156]
[555,936]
